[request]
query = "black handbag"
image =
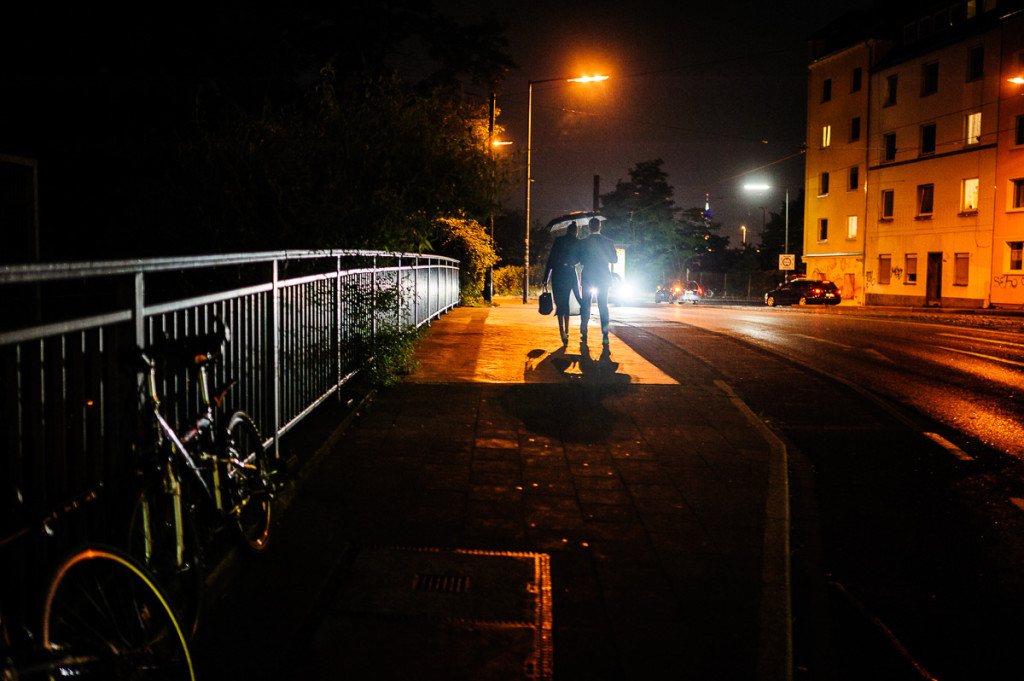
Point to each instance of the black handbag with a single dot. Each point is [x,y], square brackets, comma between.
[545,304]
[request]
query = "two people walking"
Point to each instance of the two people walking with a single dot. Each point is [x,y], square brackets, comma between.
[595,253]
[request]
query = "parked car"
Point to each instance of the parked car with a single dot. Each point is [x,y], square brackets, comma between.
[803,292]
[680,292]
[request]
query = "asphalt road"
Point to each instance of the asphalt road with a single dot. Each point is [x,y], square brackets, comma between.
[905,440]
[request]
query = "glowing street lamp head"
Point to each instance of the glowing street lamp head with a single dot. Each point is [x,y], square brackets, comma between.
[1017,80]
[757,187]
[588,79]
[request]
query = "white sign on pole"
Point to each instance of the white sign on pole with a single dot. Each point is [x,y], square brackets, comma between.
[787,262]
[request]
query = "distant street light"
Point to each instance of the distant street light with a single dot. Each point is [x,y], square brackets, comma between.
[529,169]
[743,228]
[767,187]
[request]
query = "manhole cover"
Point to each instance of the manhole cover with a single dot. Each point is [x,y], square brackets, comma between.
[444,614]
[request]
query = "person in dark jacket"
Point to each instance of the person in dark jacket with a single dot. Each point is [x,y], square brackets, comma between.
[561,272]
[596,252]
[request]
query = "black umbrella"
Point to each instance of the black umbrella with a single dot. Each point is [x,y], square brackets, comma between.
[580,217]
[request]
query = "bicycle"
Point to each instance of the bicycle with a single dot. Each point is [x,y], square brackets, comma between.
[103,617]
[218,475]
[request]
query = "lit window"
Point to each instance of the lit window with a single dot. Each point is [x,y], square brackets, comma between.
[854,182]
[925,199]
[927,139]
[884,268]
[851,227]
[826,137]
[910,268]
[823,229]
[1016,255]
[969,197]
[973,128]
[961,268]
[888,201]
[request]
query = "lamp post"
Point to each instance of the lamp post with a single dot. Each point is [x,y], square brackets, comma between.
[529,167]
[766,187]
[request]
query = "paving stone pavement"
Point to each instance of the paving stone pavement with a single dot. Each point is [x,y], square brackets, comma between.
[657,502]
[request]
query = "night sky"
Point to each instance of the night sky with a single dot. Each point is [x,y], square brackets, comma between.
[716,89]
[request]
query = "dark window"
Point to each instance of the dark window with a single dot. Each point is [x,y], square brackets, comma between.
[823,229]
[826,90]
[1016,254]
[1018,131]
[891,83]
[925,199]
[888,201]
[975,63]
[930,78]
[855,129]
[884,269]
[890,147]
[1018,193]
[927,139]
[854,178]
[857,74]
[823,188]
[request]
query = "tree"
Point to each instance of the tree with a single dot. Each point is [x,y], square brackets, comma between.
[640,217]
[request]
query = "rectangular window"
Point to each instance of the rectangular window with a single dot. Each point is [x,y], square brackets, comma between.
[969,196]
[826,137]
[857,74]
[973,128]
[889,142]
[891,84]
[823,229]
[851,227]
[975,63]
[1017,194]
[910,269]
[826,90]
[925,199]
[888,201]
[884,269]
[929,79]
[1016,253]
[823,186]
[961,268]
[927,139]
[1018,131]
[855,129]
[854,182]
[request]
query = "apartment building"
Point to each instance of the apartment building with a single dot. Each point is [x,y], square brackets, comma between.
[1007,289]
[922,165]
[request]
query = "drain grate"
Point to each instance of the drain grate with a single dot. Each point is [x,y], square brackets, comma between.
[447,584]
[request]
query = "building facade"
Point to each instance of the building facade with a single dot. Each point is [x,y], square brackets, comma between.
[914,205]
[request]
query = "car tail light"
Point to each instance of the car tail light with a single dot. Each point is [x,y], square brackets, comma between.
[816,291]
[700,290]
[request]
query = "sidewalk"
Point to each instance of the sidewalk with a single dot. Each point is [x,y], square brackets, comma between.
[515,510]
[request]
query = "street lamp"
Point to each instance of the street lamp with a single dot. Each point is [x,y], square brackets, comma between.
[743,228]
[529,168]
[766,187]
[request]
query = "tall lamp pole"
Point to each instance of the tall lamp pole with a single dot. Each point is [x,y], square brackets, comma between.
[529,168]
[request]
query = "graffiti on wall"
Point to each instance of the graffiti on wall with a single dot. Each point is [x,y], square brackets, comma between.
[1008,281]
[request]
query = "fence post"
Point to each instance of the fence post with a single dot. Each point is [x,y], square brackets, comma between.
[275,351]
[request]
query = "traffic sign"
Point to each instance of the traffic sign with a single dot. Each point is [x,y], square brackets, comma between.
[787,262]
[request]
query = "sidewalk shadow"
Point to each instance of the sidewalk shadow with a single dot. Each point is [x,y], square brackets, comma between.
[564,395]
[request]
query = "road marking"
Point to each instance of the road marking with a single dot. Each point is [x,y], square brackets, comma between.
[981,340]
[950,447]
[825,340]
[978,354]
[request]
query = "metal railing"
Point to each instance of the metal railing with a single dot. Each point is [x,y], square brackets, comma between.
[302,324]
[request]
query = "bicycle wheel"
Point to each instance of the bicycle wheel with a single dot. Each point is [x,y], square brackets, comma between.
[111,620]
[177,564]
[249,487]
